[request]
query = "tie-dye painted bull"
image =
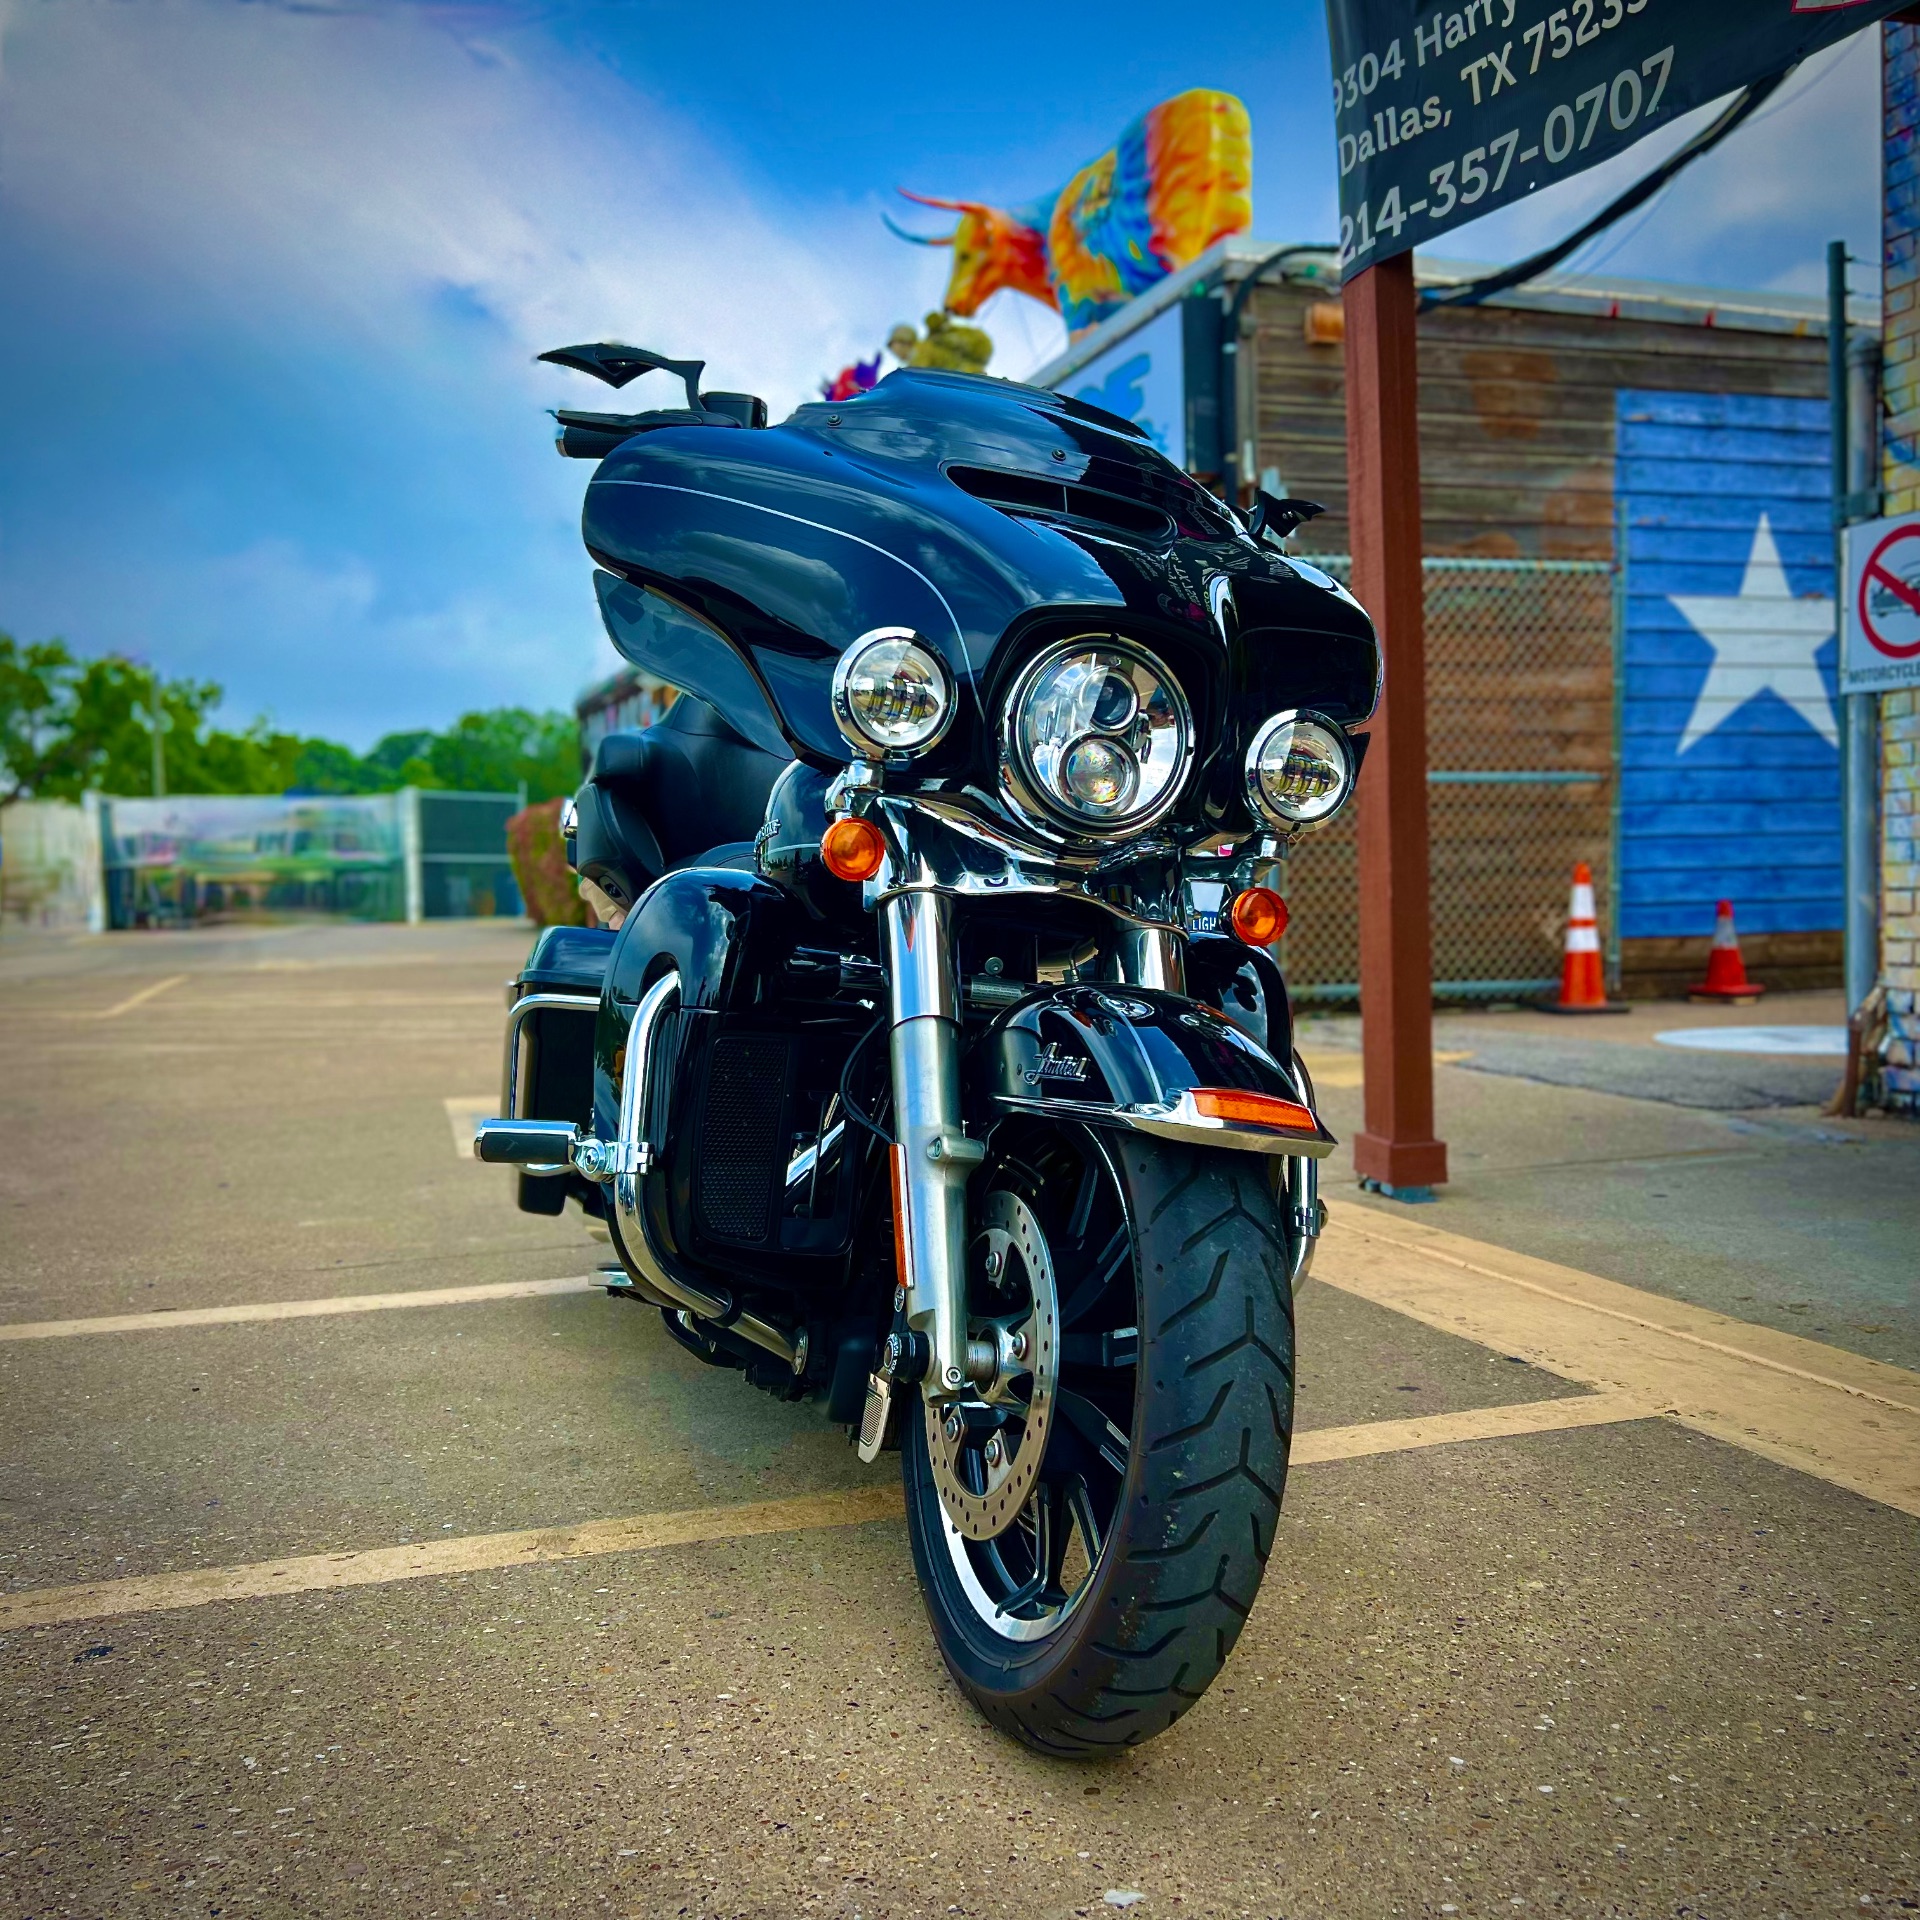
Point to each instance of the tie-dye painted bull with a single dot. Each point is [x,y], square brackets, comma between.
[1178,179]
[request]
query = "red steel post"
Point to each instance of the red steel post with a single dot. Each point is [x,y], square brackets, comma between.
[1395,1151]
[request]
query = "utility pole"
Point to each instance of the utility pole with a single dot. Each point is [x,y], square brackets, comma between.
[1859,712]
[1395,1152]
[159,749]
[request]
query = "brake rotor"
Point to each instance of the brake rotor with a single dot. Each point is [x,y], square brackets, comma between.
[1001,1436]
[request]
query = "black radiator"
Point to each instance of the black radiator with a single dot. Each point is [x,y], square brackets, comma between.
[744,1137]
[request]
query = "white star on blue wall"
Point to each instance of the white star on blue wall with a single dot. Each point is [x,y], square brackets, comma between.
[1764,638]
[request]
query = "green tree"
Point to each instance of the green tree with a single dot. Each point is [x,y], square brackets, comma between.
[68,725]
[325,766]
[108,737]
[495,752]
[35,679]
[394,753]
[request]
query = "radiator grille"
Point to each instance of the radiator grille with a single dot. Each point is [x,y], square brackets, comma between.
[741,1135]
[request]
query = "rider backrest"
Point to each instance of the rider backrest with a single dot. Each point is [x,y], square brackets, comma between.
[695,782]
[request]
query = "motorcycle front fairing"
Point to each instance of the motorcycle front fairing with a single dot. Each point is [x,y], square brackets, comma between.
[973,511]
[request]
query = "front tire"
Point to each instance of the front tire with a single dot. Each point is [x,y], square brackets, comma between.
[1106,1612]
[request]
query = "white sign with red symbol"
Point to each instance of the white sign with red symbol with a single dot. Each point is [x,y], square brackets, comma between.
[1880,639]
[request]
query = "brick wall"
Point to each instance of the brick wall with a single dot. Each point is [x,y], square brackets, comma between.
[1900,892]
[1900,474]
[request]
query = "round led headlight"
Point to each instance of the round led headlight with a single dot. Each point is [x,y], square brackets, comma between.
[891,694]
[1299,770]
[1097,737]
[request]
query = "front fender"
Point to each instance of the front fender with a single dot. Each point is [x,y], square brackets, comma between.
[1147,1060]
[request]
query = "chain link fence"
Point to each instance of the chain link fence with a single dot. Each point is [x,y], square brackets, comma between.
[1521,750]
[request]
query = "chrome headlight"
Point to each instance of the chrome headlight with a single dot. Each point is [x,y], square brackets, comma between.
[1299,770]
[1097,736]
[892,693]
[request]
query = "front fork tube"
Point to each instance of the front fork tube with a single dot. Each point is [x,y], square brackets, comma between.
[932,1155]
[1156,957]
[1305,1215]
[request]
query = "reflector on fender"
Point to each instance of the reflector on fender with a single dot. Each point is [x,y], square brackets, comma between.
[1253,1109]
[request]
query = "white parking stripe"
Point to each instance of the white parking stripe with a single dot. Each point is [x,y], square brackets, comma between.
[139,999]
[294,1309]
[465,1111]
[1319,1444]
[1852,1422]
[648,1532]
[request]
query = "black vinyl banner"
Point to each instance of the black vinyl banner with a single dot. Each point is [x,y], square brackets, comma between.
[1447,109]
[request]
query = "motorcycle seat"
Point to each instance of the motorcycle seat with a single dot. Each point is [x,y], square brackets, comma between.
[698,788]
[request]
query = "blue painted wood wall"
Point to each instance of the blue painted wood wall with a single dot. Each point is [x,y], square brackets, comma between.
[1749,811]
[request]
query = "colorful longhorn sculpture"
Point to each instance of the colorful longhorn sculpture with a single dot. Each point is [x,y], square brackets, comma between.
[1178,179]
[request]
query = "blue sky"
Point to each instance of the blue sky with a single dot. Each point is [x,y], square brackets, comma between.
[272,277]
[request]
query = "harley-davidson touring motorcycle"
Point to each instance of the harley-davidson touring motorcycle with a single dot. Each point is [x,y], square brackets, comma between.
[938,1067]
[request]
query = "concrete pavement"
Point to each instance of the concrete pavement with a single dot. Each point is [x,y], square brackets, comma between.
[1637,1667]
[1582,1142]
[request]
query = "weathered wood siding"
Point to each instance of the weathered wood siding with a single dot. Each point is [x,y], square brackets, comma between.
[1516,414]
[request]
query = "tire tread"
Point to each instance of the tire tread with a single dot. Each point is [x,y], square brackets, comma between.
[1209,1461]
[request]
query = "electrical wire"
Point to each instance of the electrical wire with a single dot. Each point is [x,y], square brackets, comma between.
[855,1111]
[1814,73]
[1737,113]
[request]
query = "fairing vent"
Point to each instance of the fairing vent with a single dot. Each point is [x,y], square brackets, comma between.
[741,1136]
[1029,494]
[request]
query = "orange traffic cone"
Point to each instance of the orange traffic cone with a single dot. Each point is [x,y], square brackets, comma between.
[1726,972]
[1583,989]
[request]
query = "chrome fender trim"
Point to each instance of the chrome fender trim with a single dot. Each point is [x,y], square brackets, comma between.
[1133,1056]
[1178,1120]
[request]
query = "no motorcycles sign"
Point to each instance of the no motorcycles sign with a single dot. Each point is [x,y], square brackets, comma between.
[1880,647]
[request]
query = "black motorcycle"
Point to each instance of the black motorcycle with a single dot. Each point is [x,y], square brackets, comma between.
[938,1065]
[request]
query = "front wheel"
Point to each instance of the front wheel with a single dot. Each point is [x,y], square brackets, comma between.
[1090,1532]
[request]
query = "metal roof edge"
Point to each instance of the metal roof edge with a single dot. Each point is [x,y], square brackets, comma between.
[1618,297]
[1655,299]
[1132,317]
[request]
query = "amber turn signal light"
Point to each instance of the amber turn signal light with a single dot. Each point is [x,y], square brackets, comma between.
[1259,916]
[852,849]
[1253,1109]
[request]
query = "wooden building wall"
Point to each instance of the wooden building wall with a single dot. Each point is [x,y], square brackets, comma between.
[1517,424]
[1516,414]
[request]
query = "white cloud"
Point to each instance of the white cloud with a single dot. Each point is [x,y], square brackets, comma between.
[339,171]
[1755,212]
[326,190]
